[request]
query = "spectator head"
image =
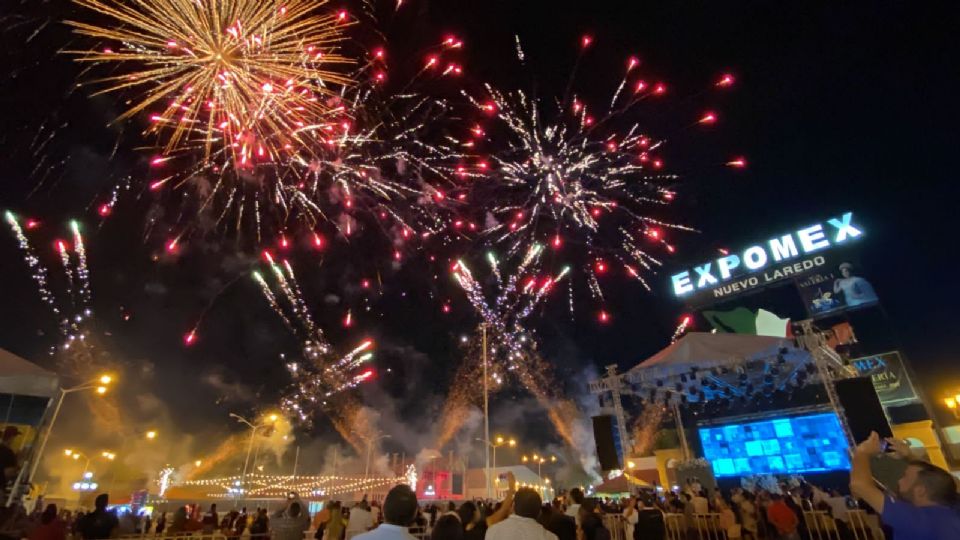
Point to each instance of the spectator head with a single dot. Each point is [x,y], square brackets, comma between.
[775,497]
[10,433]
[925,484]
[468,513]
[526,503]
[101,502]
[49,514]
[563,526]
[587,509]
[294,509]
[576,495]
[448,527]
[400,506]
[590,521]
[546,514]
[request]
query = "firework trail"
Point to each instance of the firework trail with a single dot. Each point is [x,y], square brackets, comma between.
[645,428]
[513,351]
[519,292]
[320,374]
[72,310]
[80,352]
[38,272]
[555,172]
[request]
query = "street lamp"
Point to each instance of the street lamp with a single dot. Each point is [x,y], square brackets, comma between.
[539,460]
[271,419]
[99,385]
[74,455]
[500,441]
[377,436]
[953,403]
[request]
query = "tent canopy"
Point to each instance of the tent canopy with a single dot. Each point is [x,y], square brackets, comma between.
[23,378]
[707,350]
[625,483]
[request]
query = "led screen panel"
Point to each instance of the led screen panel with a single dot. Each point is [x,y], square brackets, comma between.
[798,444]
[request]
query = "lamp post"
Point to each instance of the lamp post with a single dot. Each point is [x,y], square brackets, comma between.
[270,420]
[150,435]
[499,441]
[99,385]
[377,436]
[486,410]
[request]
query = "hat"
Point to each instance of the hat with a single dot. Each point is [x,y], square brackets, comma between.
[846,265]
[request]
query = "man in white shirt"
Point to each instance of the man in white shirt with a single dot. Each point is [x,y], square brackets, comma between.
[630,516]
[522,524]
[574,500]
[399,513]
[700,504]
[361,520]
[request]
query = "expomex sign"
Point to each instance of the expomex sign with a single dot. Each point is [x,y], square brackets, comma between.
[778,258]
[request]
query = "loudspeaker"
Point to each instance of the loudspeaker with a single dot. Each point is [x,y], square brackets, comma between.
[607,442]
[862,408]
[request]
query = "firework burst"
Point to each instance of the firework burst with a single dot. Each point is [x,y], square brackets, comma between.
[573,179]
[235,94]
[242,77]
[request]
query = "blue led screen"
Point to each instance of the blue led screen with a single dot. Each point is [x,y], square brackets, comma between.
[798,444]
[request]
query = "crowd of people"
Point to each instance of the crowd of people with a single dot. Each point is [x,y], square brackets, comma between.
[924,509]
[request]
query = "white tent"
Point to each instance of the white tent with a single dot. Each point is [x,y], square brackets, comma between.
[705,350]
[23,378]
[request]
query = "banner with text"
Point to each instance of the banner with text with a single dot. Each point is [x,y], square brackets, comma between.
[889,377]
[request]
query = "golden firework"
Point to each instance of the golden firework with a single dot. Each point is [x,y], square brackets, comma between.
[245,80]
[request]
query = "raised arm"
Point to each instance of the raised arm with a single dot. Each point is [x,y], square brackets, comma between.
[862,484]
[507,506]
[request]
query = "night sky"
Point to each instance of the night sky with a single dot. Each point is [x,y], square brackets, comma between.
[837,107]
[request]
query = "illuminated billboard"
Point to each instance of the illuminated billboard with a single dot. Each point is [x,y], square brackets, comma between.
[783,257]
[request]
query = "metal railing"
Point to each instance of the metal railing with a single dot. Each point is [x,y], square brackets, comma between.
[708,527]
[616,525]
[676,526]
